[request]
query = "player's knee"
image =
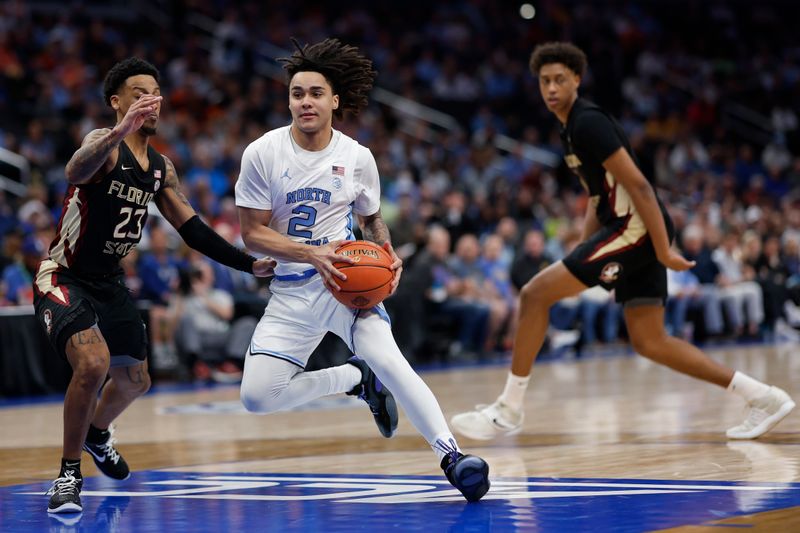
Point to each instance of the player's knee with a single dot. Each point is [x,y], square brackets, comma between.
[256,400]
[532,294]
[91,370]
[646,345]
[141,387]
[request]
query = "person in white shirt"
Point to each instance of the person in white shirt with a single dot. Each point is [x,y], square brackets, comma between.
[298,191]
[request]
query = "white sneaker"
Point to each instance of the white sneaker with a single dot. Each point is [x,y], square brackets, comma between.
[488,421]
[763,414]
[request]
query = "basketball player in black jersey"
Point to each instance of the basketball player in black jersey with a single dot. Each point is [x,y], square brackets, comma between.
[80,296]
[626,247]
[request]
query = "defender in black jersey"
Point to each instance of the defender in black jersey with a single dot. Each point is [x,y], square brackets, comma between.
[626,247]
[80,296]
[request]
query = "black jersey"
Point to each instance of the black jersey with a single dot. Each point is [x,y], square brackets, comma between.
[102,222]
[589,137]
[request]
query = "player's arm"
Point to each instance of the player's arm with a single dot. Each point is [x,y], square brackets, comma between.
[374,229]
[621,165]
[259,237]
[95,158]
[98,152]
[590,222]
[179,212]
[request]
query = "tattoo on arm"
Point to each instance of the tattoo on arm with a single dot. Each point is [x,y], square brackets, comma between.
[171,181]
[90,157]
[374,229]
[135,373]
[86,337]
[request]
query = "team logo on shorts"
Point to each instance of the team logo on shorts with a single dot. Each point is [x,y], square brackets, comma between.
[47,316]
[610,272]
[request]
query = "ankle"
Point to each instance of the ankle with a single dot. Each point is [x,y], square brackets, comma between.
[514,392]
[70,467]
[96,435]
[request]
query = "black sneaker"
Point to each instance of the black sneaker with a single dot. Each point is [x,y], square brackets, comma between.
[380,400]
[468,473]
[65,495]
[107,458]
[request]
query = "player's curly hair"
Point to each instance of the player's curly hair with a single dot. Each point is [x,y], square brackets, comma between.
[567,54]
[350,74]
[133,66]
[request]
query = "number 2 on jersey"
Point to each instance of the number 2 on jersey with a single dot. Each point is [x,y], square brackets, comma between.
[307,215]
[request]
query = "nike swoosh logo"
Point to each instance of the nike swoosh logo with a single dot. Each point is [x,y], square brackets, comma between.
[126,168]
[100,458]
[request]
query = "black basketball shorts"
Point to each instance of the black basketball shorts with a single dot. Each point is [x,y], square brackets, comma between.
[66,304]
[621,257]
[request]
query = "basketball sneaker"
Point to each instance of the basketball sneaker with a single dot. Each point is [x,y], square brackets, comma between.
[378,398]
[488,421]
[763,414]
[107,459]
[468,473]
[65,494]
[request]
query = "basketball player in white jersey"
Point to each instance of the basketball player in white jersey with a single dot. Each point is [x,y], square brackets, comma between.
[299,191]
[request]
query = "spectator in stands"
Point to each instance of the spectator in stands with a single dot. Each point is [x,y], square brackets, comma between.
[451,299]
[498,293]
[707,273]
[159,272]
[738,288]
[17,276]
[209,341]
[683,290]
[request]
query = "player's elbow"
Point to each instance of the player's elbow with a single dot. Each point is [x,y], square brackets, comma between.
[72,175]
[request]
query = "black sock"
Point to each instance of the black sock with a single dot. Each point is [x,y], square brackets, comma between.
[71,465]
[96,436]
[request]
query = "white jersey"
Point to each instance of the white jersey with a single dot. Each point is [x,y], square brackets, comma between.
[312,195]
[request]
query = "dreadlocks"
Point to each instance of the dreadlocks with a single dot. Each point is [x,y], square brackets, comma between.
[349,73]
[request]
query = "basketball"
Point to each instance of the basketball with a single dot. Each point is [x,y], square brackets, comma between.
[368,279]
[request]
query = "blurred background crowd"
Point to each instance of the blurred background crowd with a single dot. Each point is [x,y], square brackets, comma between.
[470,160]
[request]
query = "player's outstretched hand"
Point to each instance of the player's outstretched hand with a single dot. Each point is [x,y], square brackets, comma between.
[397,266]
[264,267]
[323,257]
[138,112]
[675,261]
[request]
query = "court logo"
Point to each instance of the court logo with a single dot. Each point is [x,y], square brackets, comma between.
[416,489]
[47,316]
[610,272]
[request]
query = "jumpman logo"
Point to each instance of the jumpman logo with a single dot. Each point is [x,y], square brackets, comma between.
[286,174]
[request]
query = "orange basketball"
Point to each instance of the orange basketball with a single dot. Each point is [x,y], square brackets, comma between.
[368,278]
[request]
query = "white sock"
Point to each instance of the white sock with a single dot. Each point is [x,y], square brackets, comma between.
[374,343]
[747,387]
[514,393]
[444,444]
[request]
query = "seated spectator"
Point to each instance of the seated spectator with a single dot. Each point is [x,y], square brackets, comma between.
[159,273]
[683,290]
[771,273]
[451,298]
[531,259]
[207,340]
[739,290]
[498,293]
[598,303]
[17,277]
[707,272]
